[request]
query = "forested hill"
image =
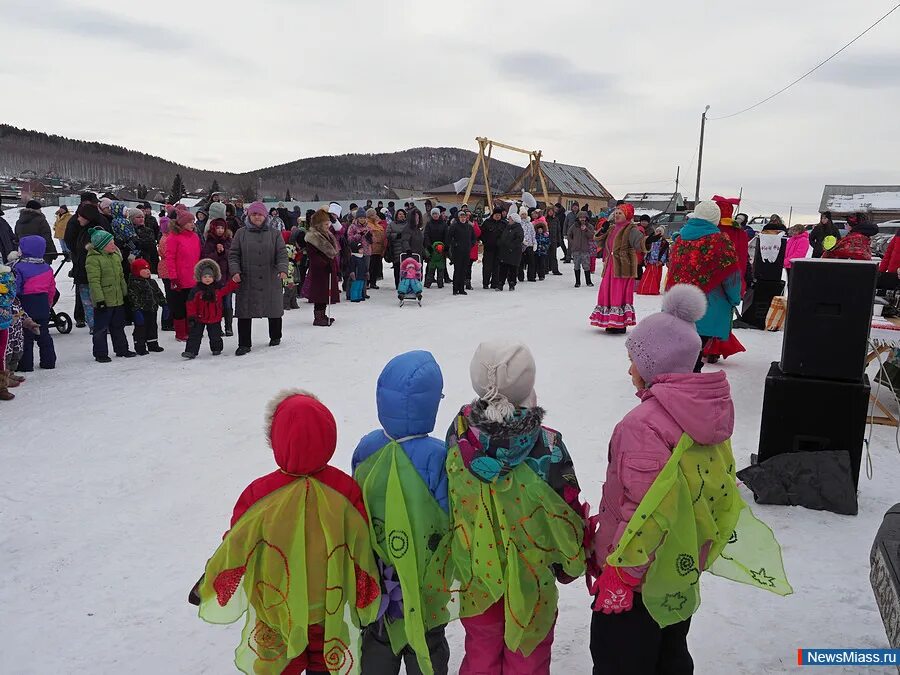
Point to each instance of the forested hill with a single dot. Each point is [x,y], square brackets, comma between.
[354,175]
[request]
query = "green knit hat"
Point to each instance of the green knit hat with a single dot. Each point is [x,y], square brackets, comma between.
[100,238]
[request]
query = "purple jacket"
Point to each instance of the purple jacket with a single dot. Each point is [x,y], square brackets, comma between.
[33,275]
[699,405]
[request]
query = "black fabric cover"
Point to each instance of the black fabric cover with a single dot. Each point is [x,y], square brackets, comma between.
[816,480]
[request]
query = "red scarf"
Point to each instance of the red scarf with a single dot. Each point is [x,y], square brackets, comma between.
[705,262]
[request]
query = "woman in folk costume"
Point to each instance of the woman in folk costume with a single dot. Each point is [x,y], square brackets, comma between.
[656,258]
[620,246]
[715,348]
[671,508]
[298,554]
[516,519]
[703,256]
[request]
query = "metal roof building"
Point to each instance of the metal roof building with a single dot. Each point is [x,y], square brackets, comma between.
[565,183]
[881,202]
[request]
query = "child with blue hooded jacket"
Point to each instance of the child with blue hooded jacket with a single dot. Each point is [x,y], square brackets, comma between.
[401,471]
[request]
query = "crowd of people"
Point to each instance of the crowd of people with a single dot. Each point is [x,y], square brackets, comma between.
[225,261]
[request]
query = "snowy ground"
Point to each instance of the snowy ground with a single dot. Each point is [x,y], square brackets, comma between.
[118,481]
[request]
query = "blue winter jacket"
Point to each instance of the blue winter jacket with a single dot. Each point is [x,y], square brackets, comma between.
[724,297]
[408,394]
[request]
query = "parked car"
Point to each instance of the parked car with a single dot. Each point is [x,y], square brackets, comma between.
[673,222]
[880,241]
[759,223]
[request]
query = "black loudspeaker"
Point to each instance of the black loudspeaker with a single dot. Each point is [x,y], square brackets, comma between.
[757,301]
[806,414]
[829,314]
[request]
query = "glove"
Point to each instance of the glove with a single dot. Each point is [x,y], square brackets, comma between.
[100,305]
[613,591]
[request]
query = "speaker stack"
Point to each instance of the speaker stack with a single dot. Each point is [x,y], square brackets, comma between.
[817,397]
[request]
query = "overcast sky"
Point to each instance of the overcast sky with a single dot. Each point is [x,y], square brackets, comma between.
[616,86]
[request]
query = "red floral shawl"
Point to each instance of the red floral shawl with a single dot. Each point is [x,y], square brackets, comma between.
[705,262]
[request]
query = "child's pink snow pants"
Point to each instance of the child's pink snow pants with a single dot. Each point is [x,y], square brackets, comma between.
[486,653]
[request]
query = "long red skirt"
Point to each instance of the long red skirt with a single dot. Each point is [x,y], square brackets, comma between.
[650,281]
[723,348]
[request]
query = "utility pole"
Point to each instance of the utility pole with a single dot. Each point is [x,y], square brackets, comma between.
[700,154]
[790,216]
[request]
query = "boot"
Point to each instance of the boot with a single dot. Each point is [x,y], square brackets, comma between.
[11,380]
[320,318]
[140,349]
[181,329]
[587,279]
[4,392]
[577,278]
[228,315]
[153,346]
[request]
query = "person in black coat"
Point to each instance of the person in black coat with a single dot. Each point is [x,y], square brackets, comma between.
[32,221]
[509,252]
[462,238]
[554,230]
[8,240]
[825,228]
[490,239]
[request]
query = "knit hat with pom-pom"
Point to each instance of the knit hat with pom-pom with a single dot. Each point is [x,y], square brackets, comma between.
[668,342]
[503,375]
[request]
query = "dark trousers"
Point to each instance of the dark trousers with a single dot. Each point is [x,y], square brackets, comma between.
[540,264]
[376,270]
[244,331]
[145,329]
[109,321]
[37,306]
[507,273]
[433,272]
[79,308]
[397,273]
[526,267]
[461,272]
[699,365]
[177,302]
[632,643]
[214,330]
[378,657]
[166,320]
[562,245]
[553,259]
[490,268]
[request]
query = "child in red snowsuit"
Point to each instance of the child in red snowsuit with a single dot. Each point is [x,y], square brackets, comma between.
[303,435]
[205,307]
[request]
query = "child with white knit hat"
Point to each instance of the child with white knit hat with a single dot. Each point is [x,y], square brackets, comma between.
[516,514]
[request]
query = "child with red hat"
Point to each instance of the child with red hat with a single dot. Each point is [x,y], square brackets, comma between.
[298,554]
[145,298]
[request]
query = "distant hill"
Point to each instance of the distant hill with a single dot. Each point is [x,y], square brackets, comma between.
[355,175]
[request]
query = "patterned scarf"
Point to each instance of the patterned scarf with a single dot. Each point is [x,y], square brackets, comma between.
[703,262]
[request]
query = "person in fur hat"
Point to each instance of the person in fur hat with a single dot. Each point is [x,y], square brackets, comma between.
[205,307]
[511,484]
[299,534]
[321,287]
[145,237]
[216,247]
[670,505]
[145,298]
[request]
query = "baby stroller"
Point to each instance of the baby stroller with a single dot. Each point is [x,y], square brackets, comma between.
[410,278]
[60,320]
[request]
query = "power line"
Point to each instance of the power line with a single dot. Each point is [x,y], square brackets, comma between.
[807,73]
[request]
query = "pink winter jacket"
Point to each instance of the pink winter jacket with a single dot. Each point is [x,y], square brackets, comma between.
[697,404]
[181,256]
[797,247]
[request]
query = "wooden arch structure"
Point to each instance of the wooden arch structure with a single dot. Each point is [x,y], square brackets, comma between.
[483,160]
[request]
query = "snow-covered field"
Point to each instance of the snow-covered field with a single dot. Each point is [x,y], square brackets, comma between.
[118,480]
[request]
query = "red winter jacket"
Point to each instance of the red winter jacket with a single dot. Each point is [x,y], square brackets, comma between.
[891,260]
[208,311]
